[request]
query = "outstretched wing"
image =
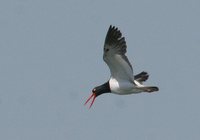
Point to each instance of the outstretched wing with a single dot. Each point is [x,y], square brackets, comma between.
[114,55]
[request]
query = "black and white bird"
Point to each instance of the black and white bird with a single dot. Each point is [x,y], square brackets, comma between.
[122,80]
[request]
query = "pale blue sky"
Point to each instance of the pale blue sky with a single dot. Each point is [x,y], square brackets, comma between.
[51,58]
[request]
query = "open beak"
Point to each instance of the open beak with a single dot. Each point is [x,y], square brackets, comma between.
[93,97]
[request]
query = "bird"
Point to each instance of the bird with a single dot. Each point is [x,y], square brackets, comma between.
[122,80]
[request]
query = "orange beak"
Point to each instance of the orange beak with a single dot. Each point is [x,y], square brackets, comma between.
[93,97]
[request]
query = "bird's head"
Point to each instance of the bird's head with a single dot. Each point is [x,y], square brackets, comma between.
[105,88]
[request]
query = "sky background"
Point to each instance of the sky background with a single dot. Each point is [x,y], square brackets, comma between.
[51,58]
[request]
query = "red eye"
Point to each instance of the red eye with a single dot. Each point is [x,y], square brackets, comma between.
[93,90]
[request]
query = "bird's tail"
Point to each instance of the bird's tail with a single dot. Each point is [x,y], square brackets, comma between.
[141,77]
[150,89]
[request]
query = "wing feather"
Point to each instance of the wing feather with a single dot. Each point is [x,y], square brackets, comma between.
[114,54]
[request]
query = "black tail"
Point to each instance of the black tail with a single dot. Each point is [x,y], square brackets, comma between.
[150,89]
[141,77]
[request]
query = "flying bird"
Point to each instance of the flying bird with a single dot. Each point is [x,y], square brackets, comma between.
[122,80]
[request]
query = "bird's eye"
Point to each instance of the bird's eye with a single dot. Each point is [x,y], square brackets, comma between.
[106,50]
[93,90]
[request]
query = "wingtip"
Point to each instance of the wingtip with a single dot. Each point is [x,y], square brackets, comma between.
[113,27]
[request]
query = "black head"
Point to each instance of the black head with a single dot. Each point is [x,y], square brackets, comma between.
[105,88]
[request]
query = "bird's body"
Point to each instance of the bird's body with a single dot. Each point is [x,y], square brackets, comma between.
[122,80]
[123,87]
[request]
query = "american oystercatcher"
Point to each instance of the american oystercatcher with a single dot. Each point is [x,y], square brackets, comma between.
[122,80]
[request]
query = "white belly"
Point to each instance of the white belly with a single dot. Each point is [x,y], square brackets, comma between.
[123,87]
